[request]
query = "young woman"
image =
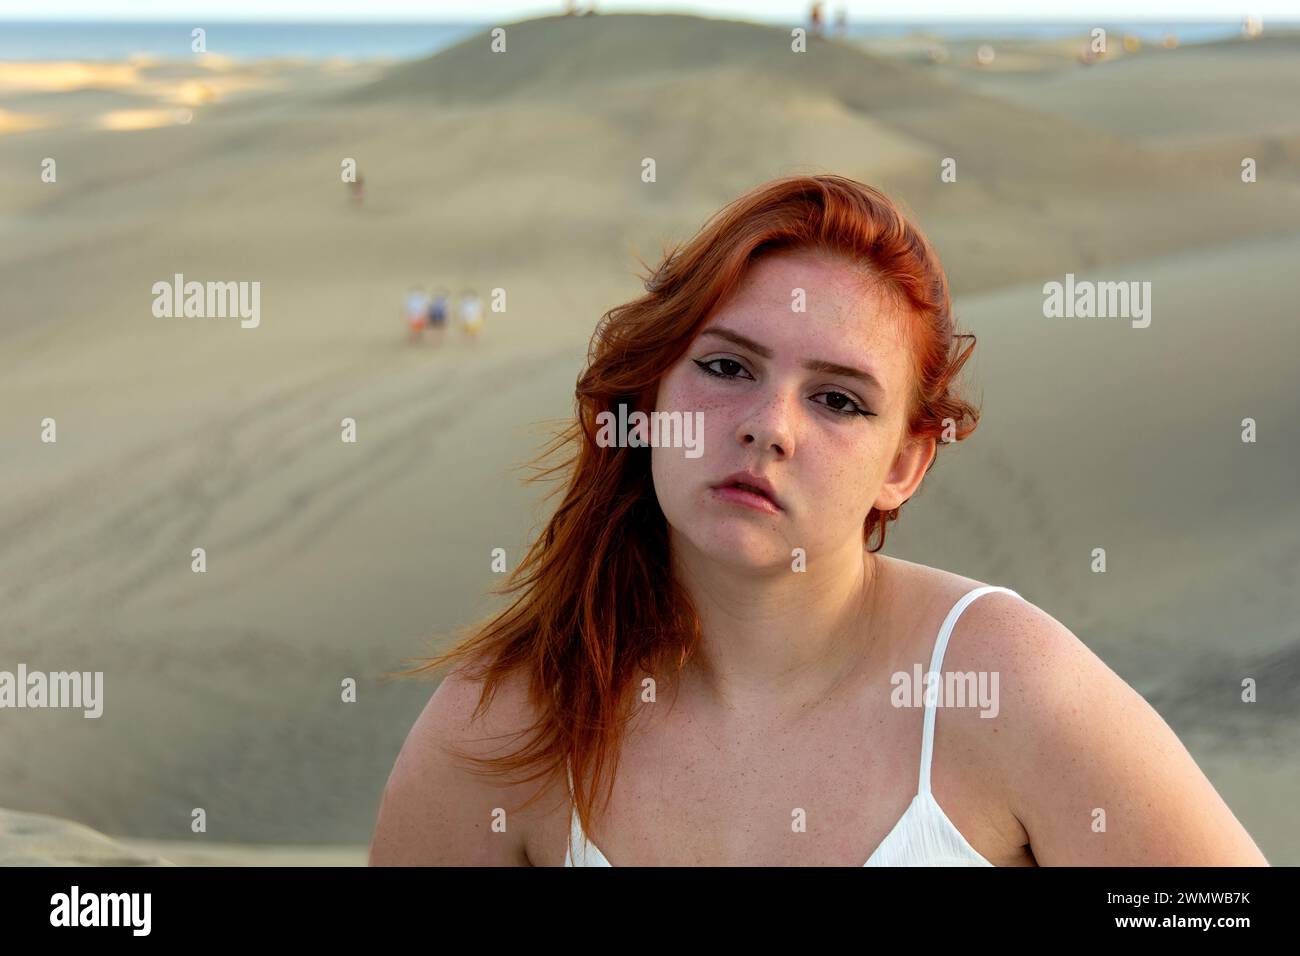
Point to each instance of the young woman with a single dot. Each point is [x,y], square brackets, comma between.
[709,638]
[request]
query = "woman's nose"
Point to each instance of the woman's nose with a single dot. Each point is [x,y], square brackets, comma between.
[770,425]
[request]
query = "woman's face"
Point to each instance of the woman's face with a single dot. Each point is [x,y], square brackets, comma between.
[779,397]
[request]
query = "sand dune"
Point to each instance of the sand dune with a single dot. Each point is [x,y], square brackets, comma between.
[626,50]
[522,172]
[105,95]
[1176,98]
[34,839]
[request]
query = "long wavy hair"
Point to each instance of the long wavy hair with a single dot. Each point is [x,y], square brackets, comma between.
[598,605]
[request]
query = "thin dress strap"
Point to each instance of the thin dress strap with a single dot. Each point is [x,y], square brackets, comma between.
[936,663]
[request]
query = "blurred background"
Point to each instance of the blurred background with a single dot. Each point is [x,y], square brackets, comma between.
[224,155]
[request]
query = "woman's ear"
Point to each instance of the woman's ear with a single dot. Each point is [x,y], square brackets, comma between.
[907,471]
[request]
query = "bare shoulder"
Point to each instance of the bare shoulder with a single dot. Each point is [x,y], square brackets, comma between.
[1093,773]
[436,810]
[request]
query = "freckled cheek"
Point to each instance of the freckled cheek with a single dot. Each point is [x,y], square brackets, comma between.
[842,468]
[685,392]
[681,479]
[720,410]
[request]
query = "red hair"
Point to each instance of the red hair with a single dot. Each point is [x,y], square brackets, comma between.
[599,606]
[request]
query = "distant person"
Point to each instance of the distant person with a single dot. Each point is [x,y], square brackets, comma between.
[471,314]
[841,22]
[417,304]
[437,315]
[815,15]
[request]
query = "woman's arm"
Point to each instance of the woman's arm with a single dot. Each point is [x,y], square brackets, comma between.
[434,812]
[1095,775]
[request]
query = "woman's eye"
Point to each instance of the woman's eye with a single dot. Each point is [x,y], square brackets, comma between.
[730,363]
[843,404]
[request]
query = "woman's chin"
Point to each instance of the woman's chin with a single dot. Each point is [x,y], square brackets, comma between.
[734,545]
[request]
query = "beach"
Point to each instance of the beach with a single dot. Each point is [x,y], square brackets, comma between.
[328,560]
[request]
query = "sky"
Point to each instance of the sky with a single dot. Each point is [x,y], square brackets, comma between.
[791,11]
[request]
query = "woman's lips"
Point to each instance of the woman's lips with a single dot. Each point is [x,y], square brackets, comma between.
[747,499]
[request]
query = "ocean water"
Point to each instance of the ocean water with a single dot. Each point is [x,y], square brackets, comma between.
[89,40]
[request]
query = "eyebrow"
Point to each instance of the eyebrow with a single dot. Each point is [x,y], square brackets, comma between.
[813,365]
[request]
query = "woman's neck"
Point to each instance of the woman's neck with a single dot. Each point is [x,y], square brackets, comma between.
[777,646]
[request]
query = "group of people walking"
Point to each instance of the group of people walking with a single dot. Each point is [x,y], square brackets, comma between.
[433,312]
